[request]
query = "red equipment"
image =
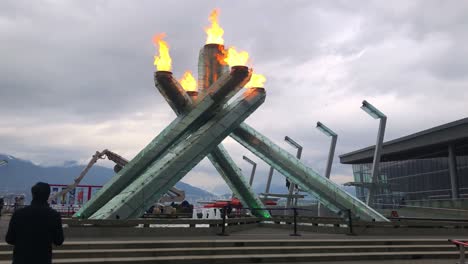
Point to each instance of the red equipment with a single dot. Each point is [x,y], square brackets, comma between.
[234,203]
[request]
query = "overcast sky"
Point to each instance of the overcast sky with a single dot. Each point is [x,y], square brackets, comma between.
[77,76]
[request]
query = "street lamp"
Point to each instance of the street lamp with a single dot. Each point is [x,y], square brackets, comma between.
[328,132]
[296,145]
[292,186]
[254,167]
[331,153]
[371,110]
[270,176]
[376,114]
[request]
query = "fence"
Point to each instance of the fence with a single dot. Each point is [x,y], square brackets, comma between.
[281,217]
[296,220]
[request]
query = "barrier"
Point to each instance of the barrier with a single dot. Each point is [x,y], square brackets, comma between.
[461,246]
[296,220]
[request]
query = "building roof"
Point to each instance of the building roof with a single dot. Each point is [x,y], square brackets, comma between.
[428,143]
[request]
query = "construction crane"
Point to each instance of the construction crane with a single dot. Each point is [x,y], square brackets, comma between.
[173,195]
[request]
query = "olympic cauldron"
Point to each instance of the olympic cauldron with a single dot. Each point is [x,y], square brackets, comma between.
[204,119]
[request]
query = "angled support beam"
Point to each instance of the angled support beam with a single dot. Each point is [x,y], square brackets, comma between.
[375,176]
[293,186]
[219,157]
[217,95]
[179,159]
[326,191]
[236,181]
[254,168]
[268,185]
[346,201]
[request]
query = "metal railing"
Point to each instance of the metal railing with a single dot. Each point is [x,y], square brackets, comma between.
[295,219]
[461,247]
[292,217]
[423,207]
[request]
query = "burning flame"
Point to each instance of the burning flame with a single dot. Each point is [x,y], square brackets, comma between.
[188,82]
[234,58]
[163,62]
[257,80]
[214,32]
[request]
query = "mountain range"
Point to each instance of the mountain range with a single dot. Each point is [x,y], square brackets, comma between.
[18,175]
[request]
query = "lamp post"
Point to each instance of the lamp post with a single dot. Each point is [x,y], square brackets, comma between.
[331,153]
[254,167]
[270,176]
[376,114]
[292,186]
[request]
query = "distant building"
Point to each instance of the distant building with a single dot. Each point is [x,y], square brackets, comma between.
[428,166]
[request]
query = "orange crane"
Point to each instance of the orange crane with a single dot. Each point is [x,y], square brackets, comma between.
[173,195]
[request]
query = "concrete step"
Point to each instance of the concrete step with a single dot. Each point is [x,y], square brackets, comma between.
[246,251]
[270,258]
[110,253]
[237,243]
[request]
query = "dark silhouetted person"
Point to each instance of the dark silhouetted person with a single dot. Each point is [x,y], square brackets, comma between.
[34,229]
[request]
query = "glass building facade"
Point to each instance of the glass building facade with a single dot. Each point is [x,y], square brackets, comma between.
[412,180]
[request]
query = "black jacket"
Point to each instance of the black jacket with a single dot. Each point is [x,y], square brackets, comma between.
[32,231]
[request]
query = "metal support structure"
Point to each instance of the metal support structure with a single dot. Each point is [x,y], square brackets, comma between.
[197,132]
[376,162]
[331,153]
[219,157]
[292,185]
[215,97]
[462,255]
[267,188]
[461,248]
[209,73]
[180,159]
[232,175]
[375,175]
[295,223]
[452,163]
[326,191]
[223,227]
[254,167]
[350,222]
[209,66]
